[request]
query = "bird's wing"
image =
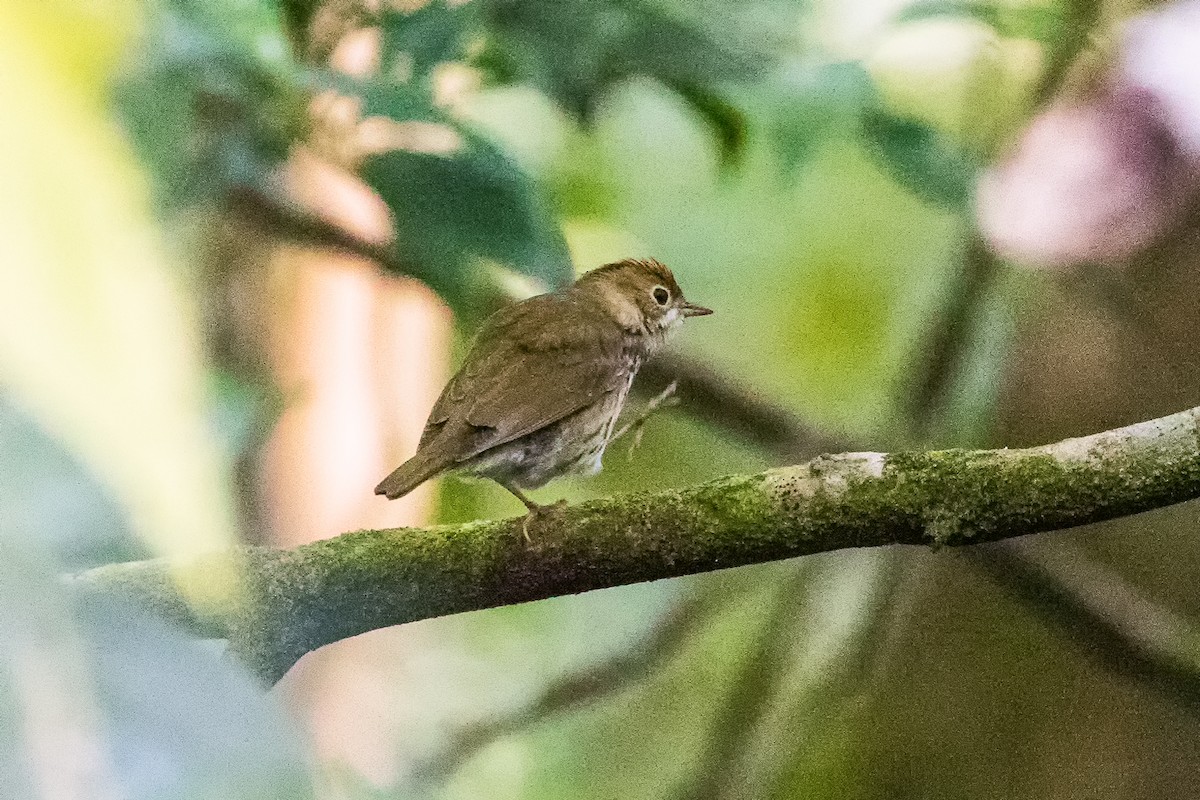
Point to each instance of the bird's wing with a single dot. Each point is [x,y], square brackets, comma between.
[526,370]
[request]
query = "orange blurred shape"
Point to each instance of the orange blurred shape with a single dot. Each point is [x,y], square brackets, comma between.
[359,357]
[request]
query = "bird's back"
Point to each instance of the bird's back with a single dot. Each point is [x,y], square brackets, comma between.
[551,359]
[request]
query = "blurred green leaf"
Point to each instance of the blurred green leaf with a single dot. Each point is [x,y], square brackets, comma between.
[575,50]
[101,701]
[654,731]
[244,412]
[807,104]
[1045,22]
[97,330]
[394,100]
[474,203]
[920,158]
[47,496]
[50,723]
[463,201]
[974,391]
[211,99]
[183,721]
[298,15]
[727,121]
[15,782]
[809,741]
[986,13]
[580,181]
[430,35]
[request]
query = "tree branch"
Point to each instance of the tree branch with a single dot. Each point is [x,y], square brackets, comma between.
[709,395]
[1101,611]
[948,341]
[573,690]
[712,397]
[288,219]
[749,697]
[307,597]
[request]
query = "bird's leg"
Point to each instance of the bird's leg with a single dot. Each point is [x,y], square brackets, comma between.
[535,509]
[664,398]
[517,493]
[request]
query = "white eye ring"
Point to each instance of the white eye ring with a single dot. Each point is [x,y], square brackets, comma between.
[661,295]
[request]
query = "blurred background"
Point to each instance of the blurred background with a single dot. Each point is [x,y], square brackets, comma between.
[244,242]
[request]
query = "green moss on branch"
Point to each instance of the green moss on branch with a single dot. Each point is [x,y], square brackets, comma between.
[301,599]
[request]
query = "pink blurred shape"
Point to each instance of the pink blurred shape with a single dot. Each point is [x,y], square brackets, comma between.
[1102,178]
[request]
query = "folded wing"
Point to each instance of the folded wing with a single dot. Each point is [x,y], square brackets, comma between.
[532,365]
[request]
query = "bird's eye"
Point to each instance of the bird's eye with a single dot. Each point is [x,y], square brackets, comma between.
[661,295]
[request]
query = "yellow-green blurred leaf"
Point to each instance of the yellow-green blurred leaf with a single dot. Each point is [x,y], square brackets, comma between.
[98,337]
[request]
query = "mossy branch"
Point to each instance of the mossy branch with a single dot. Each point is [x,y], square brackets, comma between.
[310,596]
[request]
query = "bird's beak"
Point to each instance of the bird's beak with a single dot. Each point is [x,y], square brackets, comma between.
[693,310]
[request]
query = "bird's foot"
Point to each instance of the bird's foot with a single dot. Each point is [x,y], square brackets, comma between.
[538,511]
[535,509]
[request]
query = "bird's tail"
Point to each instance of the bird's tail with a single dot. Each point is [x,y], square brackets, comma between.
[410,475]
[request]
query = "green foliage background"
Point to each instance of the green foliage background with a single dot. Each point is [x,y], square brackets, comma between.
[813,190]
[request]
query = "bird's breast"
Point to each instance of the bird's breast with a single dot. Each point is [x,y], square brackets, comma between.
[633,363]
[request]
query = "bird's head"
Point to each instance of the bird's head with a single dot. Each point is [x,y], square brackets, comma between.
[641,295]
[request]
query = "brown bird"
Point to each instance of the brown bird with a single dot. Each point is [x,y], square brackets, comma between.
[539,393]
